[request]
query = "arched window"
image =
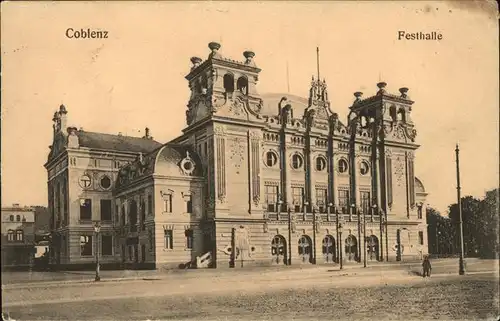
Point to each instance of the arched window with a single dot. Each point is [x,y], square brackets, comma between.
[401,115]
[19,235]
[320,163]
[392,112]
[297,161]
[18,218]
[242,85]
[11,218]
[10,235]
[229,84]
[271,159]
[343,166]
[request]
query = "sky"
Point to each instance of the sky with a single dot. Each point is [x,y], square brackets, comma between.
[135,78]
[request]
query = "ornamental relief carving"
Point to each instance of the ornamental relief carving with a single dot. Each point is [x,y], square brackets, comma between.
[219,130]
[238,146]
[399,170]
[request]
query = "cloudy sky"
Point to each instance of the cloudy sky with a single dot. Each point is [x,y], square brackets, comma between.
[135,78]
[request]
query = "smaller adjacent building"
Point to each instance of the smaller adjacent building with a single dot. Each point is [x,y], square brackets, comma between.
[18,236]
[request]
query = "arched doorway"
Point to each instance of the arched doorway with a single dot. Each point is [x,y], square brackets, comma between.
[372,248]
[305,249]
[329,249]
[351,248]
[278,250]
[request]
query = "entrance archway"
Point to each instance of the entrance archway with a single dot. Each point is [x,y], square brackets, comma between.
[329,249]
[278,250]
[351,248]
[305,249]
[372,248]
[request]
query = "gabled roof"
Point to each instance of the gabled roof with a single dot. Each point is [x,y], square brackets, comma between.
[95,140]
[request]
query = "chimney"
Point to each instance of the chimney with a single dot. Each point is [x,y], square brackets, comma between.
[63,117]
[196,61]
[249,57]
[148,134]
[214,46]
[381,86]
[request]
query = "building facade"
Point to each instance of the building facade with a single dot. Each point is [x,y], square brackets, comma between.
[18,236]
[253,180]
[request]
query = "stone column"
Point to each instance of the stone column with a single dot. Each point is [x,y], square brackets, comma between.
[220,167]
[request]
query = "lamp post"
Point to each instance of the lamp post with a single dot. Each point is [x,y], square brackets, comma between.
[289,236]
[339,229]
[280,202]
[314,235]
[461,269]
[97,229]
[359,212]
[306,204]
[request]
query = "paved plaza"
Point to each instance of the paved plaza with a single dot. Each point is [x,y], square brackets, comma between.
[382,292]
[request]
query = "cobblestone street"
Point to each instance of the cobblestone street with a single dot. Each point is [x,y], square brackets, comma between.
[314,293]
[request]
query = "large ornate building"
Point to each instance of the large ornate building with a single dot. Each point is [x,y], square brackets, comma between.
[253,180]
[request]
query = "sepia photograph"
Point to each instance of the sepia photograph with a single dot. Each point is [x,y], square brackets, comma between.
[250,160]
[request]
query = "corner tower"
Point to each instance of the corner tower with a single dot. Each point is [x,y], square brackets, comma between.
[222,86]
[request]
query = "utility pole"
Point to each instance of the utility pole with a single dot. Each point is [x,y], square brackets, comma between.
[461,269]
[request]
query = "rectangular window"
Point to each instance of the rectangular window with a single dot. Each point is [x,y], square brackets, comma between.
[421,238]
[189,204]
[86,245]
[167,203]
[122,220]
[297,198]
[419,212]
[321,199]
[142,222]
[389,180]
[169,239]
[105,210]
[117,214]
[365,202]
[130,253]
[271,197]
[143,253]
[106,245]
[189,239]
[150,204]
[86,209]
[65,203]
[411,184]
[344,200]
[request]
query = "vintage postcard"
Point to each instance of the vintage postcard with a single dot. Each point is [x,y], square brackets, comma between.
[271,160]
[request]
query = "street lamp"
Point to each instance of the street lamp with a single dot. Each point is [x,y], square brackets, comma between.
[97,229]
[314,235]
[339,229]
[289,236]
[360,227]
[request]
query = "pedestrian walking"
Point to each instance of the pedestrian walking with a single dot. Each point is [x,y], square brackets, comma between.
[426,264]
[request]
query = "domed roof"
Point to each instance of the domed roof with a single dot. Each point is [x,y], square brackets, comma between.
[419,187]
[271,102]
[177,160]
[169,160]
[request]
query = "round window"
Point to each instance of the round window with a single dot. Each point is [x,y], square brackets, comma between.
[343,166]
[188,166]
[85,181]
[105,182]
[297,161]
[271,159]
[364,168]
[320,163]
